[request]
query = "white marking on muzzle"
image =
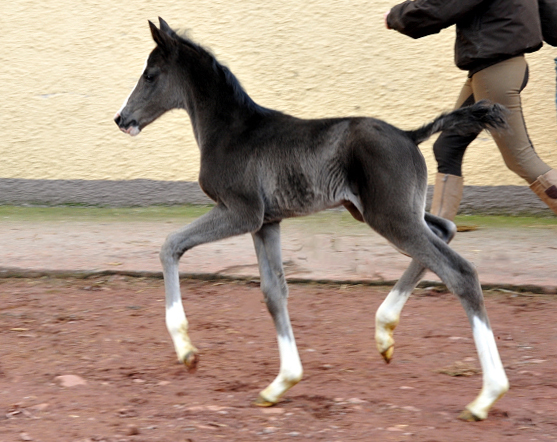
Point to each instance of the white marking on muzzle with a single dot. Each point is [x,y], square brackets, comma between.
[133,130]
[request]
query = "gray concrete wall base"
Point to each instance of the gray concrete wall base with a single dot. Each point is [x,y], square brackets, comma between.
[139,192]
[488,200]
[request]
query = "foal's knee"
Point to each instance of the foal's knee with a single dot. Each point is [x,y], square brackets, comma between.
[275,294]
[170,252]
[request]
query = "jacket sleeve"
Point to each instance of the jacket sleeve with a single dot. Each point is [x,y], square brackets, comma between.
[548,18]
[419,18]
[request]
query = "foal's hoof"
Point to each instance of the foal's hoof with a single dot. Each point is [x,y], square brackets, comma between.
[468,416]
[190,361]
[262,402]
[388,354]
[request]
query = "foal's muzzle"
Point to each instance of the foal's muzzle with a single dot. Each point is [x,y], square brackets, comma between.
[128,127]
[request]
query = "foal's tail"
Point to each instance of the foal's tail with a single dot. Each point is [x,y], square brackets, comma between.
[465,121]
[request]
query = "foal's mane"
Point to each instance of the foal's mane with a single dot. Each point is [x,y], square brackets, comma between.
[226,76]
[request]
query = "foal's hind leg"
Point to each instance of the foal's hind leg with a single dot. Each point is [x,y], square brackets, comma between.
[495,383]
[217,224]
[462,279]
[275,291]
[388,313]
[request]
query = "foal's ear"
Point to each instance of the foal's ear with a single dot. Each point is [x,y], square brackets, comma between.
[164,27]
[162,39]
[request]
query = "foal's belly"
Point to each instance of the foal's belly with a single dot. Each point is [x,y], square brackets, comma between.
[302,189]
[286,204]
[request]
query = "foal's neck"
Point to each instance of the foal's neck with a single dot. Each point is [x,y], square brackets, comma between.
[215,101]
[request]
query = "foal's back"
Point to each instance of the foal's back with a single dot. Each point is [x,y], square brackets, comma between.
[299,166]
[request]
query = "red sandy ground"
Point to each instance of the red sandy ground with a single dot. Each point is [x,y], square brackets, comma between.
[110,332]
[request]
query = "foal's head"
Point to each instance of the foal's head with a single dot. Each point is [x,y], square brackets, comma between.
[158,89]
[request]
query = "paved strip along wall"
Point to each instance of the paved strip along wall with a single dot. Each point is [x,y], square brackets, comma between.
[68,66]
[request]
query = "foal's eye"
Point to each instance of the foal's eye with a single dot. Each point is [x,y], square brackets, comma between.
[149,78]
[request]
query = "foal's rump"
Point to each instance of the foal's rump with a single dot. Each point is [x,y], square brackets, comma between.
[391,177]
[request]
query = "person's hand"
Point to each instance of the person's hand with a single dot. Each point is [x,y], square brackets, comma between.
[385,15]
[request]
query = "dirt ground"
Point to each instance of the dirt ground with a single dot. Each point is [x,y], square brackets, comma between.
[90,360]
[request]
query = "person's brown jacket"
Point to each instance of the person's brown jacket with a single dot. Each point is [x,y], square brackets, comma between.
[486,30]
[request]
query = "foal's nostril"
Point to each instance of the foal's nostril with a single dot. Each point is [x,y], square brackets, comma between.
[117,119]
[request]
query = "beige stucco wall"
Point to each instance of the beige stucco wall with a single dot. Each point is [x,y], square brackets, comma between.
[67,67]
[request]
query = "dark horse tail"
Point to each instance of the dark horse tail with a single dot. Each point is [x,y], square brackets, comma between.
[465,121]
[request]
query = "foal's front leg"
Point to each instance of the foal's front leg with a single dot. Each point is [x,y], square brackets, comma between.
[217,224]
[275,291]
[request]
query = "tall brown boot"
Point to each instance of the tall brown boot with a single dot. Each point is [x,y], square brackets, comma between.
[546,188]
[446,195]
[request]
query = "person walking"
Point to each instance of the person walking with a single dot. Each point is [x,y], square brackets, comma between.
[492,37]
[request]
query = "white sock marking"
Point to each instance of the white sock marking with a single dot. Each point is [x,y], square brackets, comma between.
[290,370]
[290,364]
[177,326]
[495,382]
[387,318]
[389,311]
